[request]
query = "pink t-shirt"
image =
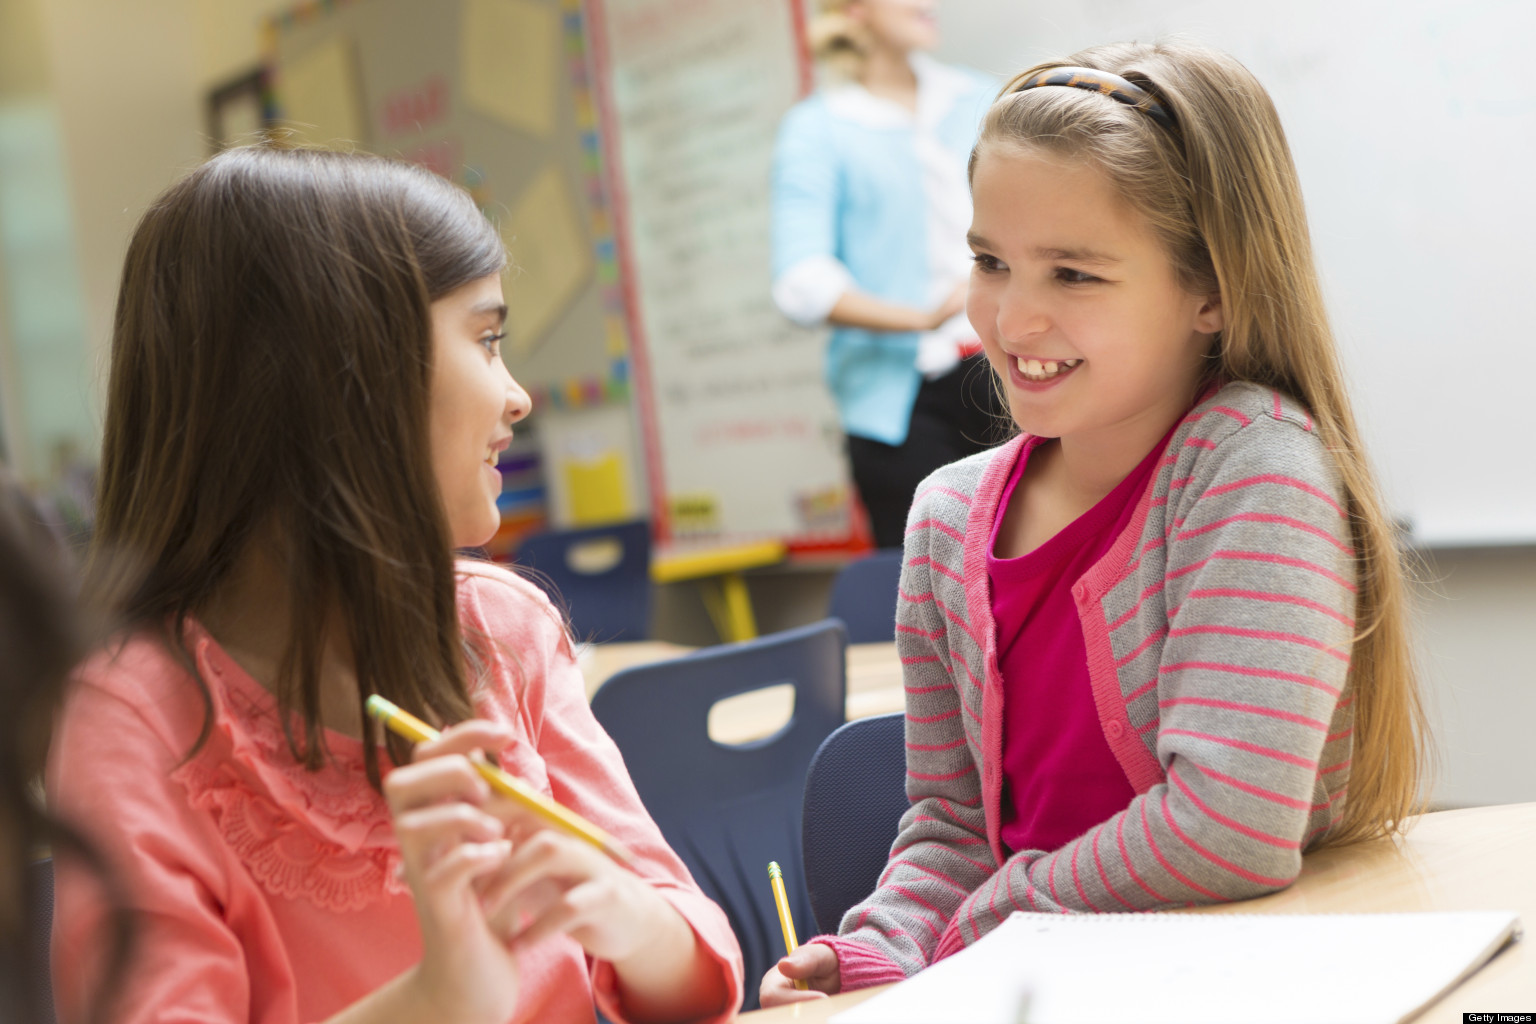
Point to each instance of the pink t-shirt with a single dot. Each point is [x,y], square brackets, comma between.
[267,894]
[1060,777]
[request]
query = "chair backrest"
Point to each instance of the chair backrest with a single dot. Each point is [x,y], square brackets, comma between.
[40,910]
[601,575]
[864,597]
[855,795]
[729,810]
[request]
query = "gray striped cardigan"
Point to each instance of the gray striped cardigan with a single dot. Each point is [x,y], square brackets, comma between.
[1218,630]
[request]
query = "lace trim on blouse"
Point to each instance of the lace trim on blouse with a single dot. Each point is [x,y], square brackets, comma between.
[323,836]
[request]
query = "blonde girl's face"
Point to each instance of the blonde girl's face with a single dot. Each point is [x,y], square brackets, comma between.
[1077,306]
[901,25]
[475,401]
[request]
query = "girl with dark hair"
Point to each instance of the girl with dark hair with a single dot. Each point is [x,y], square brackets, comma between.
[41,638]
[306,404]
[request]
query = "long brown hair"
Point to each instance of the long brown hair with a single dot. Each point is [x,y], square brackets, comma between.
[271,366]
[1221,194]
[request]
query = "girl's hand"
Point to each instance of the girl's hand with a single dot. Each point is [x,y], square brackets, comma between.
[543,882]
[815,964]
[554,883]
[449,846]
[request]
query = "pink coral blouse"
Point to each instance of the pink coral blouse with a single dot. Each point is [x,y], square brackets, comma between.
[267,893]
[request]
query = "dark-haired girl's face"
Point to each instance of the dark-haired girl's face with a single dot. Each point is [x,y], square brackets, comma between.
[475,401]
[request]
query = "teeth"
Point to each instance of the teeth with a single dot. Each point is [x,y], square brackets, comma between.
[1037,369]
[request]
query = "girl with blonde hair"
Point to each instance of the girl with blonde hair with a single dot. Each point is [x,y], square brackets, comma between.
[1155,646]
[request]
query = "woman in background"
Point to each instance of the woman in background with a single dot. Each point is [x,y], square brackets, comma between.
[870,210]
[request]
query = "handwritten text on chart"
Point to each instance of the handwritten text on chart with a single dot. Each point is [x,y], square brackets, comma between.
[416,108]
[698,100]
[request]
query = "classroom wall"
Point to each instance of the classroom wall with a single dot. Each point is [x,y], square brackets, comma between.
[128,80]
[1475,627]
[47,409]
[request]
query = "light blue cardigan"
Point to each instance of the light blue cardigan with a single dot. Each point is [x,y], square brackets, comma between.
[854,192]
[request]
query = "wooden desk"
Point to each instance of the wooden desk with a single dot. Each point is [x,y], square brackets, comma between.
[1481,858]
[874,686]
[727,601]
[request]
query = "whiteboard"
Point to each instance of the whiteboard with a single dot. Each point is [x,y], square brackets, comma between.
[1413,126]
[742,436]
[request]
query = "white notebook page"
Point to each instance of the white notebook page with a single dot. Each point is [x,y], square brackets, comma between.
[1196,968]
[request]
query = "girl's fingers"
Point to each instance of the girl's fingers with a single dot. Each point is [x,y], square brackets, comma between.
[778,989]
[507,916]
[468,736]
[431,782]
[462,865]
[573,909]
[531,859]
[544,856]
[811,962]
[421,832]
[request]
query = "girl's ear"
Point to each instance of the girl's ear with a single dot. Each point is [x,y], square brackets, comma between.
[1209,318]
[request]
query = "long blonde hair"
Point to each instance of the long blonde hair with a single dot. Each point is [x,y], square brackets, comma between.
[839,44]
[1220,192]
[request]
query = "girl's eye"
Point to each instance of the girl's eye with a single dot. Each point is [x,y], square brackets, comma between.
[492,342]
[1067,275]
[987,264]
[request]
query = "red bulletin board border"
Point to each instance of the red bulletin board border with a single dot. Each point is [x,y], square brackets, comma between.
[613,165]
[595,16]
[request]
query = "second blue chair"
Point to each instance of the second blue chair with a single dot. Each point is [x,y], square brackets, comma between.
[600,575]
[864,597]
[729,810]
[855,795]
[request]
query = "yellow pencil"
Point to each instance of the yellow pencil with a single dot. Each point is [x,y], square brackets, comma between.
[776,879]
[417,731]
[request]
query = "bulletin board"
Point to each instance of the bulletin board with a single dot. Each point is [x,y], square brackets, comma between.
[495,95]
[742,436]
[624,146]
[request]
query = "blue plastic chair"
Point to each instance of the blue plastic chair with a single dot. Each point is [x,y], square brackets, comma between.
[729,810]
[855,795]
[600,575]
[864,597]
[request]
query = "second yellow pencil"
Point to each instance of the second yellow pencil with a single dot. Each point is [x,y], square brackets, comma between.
[781,900]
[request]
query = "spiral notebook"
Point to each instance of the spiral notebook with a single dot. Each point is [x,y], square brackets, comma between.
[1196,968]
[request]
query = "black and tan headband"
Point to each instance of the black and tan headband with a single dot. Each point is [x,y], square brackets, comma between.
[1104,83]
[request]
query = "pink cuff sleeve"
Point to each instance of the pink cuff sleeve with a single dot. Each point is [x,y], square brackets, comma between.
[858,966]
[951,942]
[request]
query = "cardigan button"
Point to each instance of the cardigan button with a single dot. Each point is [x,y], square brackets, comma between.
[1115,730]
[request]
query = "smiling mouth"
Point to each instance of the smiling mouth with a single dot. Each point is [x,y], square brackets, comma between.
[1038,370]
